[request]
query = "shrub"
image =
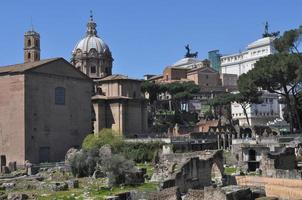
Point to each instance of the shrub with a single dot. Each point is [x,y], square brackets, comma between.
[106,136]
[140,152]
[83,163]
[116,167]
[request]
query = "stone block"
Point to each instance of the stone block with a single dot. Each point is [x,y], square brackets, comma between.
[5,170]
[17,196]
[32,170]
[2,161]
[12,166]
[9,186]
[73,184]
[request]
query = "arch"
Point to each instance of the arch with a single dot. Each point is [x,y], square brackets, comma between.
[28,42]
[28,55]
[217,168]
[216,174]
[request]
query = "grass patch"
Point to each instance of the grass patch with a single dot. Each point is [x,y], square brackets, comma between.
[89,189]
[230,170]
[148,166]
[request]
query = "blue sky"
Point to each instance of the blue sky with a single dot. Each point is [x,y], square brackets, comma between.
[144,36]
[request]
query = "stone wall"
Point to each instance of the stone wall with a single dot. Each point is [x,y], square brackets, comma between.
[225,193]
[280,165]
[277,187]
[172,193]
[188,170]
[194,194]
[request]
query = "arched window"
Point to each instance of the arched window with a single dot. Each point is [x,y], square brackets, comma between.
[28,55]
[60,96]
[37,43]
[28,43]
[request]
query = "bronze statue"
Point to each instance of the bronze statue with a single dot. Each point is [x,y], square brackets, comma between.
[189,54]
[267,33]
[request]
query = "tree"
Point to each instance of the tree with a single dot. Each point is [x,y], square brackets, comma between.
[288,43]
[248,94]
[277,73]
[222,102]
[153,89]
[181,93]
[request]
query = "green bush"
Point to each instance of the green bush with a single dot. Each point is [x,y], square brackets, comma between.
[138,152]
[106,136]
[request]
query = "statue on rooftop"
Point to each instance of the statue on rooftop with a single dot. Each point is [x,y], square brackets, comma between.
[267,33]
[189,54]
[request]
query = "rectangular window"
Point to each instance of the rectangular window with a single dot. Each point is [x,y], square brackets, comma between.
[93,69]
[60,96]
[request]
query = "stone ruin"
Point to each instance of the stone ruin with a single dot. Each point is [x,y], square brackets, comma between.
[208,193]
[188,170]
[280,164]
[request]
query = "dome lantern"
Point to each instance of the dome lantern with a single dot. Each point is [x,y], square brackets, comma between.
[91,26]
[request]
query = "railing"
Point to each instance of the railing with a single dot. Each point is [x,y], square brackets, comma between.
[51,165]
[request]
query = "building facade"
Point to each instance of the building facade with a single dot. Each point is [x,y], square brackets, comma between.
[214,58]
[120,106]
[45,109]
[258,114]
[241,63]
[191,69]
[244,61]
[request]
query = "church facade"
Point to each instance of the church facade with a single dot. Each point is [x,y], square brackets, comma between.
[48,106]
[117,102]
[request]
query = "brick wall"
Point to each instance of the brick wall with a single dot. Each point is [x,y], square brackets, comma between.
[12,124]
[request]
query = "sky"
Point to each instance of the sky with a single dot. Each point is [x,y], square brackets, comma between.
[143,36]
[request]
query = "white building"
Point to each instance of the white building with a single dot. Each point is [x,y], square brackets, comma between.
[242,62]
[258,114]
[239,63]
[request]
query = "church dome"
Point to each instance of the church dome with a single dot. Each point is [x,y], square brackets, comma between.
[91,54]
[91,40]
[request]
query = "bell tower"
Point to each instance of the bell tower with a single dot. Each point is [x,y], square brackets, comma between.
[31,46]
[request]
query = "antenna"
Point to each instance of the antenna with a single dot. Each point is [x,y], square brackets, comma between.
[31,24]
[91,15]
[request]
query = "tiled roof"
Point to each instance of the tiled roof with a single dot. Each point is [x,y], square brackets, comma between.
[25,66]
[117,77]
